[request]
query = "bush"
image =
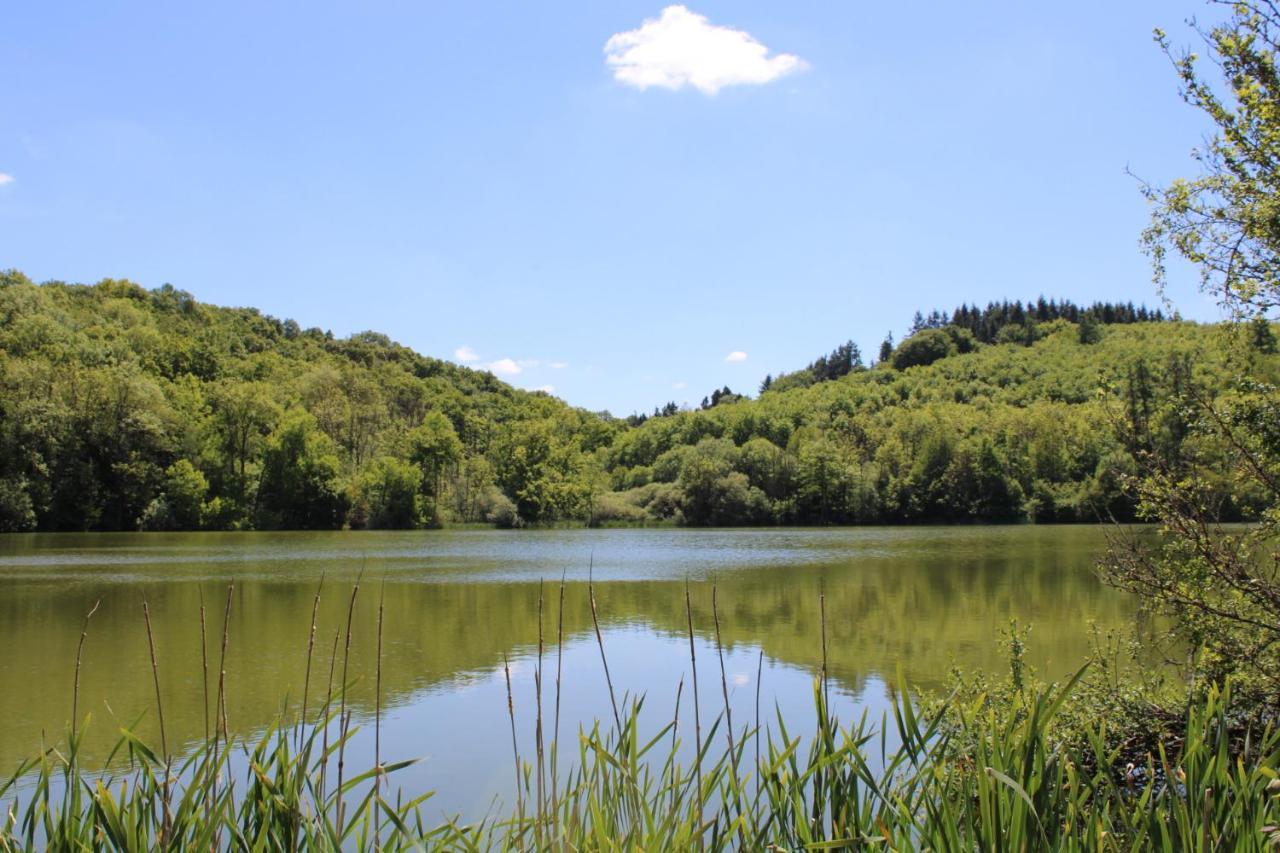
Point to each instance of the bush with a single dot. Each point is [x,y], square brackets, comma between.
[923,348]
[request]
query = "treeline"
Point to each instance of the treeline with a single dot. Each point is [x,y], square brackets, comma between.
[123,408]
[940,334]
[987,325]
[1046,432]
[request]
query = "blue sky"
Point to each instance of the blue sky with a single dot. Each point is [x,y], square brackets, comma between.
[485,181]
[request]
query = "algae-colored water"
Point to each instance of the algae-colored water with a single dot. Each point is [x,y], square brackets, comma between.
[456,602]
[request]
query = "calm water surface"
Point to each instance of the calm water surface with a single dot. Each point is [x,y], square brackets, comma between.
[456,603]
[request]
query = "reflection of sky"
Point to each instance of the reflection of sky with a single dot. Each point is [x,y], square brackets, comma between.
[460,731]
[921,598]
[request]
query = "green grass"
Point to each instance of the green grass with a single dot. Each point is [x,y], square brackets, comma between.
[840,787]
[988,770]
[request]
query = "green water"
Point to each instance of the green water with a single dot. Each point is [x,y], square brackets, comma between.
[456,603]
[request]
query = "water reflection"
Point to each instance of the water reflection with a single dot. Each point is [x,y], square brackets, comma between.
[457,602]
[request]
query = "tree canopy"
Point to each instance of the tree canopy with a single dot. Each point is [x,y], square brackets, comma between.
[123,408]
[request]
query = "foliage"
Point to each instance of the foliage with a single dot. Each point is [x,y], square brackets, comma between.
[924,347]
[123,408]
[1203,460]
[964,777]
[1224,219]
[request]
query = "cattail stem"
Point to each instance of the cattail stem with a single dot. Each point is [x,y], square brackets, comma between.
[204,678]
[595,621]
[822,607]
[537,734]
[515,749]
[675,739]
[75,690]
[377,726]
[324,715]
[204,665]
[555,734]
[697,714]
[164,742]
[221,721]
[343,719]
[759,674]
[728,710]
[311,644]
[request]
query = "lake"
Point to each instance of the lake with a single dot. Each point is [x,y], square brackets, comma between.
[915,600]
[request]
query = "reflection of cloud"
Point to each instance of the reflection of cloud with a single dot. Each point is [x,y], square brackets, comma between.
[466,354]
[5,178]
[682,48]
[736,357]
[741,679]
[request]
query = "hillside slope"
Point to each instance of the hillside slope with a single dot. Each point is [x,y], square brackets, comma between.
[1044,429]
[122,408]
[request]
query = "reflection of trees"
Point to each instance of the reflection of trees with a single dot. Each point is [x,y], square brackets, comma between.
[929,611]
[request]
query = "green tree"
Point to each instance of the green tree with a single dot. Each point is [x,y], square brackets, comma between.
[924,347]
[389,493]
[299,488]
[185,490]
[244,413]
[824,481]
[1219,585]
[434,447]
[886,349]
[1224,220]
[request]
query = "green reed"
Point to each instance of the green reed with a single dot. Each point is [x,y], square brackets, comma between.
[962,776]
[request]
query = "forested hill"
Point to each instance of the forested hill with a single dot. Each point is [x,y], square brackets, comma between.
[123,408]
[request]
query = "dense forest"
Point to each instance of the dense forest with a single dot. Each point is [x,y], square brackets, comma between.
[123,408]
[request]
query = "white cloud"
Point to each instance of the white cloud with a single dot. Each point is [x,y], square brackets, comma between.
[466,354]
[504,367]
[5,178]
[528,362]
[558,365]
[682,48]
[736,357]
[680,386]
[548,389]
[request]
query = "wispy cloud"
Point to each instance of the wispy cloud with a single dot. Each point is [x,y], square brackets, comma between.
[558,365]
[504,367]
[548,389]
[682,48]
[5,178]
[680,386]
[736,357]
[466,354]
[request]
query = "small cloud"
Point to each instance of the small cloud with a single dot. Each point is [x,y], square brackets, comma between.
[682,48]
[504,367]
[546,389]
[741,679]
[5,178]
[558,365]
[466,354]
[736,357]
[680,386]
